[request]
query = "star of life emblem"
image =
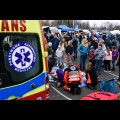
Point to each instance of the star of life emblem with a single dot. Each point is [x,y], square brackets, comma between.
[21,57]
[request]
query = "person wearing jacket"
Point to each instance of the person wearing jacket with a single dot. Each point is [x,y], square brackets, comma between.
[91,57]
[107,42]
[75,45]
[59,54]
[99,55]
[118,63]
[99,36]
[63,45]
[69,51]
[55,42]
[60,76]
[101,41]
[91,76]
[72,78]
[114,57]
[83,50]
[51,63]
[49,49]
[107,59]
[94,42]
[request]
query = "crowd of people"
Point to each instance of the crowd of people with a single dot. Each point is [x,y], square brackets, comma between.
[99,50]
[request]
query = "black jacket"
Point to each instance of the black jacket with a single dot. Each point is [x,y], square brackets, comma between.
[95,44]
[93,76]
[69,49]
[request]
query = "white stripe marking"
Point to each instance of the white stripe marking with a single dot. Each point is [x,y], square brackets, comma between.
[61,94]
[114,75]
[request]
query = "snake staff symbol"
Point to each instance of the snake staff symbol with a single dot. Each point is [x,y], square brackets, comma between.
[22,57]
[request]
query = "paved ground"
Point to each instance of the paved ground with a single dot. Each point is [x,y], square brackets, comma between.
[60,94]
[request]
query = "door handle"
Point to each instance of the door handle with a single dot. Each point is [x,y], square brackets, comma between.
[32,86]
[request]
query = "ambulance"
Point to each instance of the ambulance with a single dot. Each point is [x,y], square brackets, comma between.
[23,61]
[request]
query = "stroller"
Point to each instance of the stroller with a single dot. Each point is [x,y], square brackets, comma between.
[108,86]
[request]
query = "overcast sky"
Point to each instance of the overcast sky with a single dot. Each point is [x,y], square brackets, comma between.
[99,22]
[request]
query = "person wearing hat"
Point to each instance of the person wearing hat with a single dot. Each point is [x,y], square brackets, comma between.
[91,57]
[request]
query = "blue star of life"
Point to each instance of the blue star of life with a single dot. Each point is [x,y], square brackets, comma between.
[21,57]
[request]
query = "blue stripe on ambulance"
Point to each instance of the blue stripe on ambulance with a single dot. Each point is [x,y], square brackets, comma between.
[20,89]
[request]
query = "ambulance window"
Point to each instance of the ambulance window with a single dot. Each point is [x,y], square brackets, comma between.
[9,42]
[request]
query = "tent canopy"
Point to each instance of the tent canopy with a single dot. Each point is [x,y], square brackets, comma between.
[65,28]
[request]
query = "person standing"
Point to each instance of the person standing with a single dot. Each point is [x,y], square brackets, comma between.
[63,45]
[118,63]
[83,50]
[107,59]
[75,45]
[91,57]
[55,42]
[59,54]
[99,55]
[114,57]
[69,51]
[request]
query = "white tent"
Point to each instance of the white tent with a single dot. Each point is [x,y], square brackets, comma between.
[55,30]
[114,32]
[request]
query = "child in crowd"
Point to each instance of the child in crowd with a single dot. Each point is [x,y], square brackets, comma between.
[114,57]
[91,57]
[107,59]
[59,54]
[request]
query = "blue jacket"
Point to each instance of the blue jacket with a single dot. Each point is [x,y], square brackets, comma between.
[118,39]
[99,54]
[55,43]
[98,37]
[83,50]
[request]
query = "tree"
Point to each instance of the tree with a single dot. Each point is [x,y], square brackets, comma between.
[102,26]
[68,23]
[45,23]
[94,26]
[110,27]
[116,27]
[106,25]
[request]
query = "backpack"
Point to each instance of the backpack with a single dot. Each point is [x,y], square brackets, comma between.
[101,96]
[108,86]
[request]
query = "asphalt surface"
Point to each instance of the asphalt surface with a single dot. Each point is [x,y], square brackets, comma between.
[58,93]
